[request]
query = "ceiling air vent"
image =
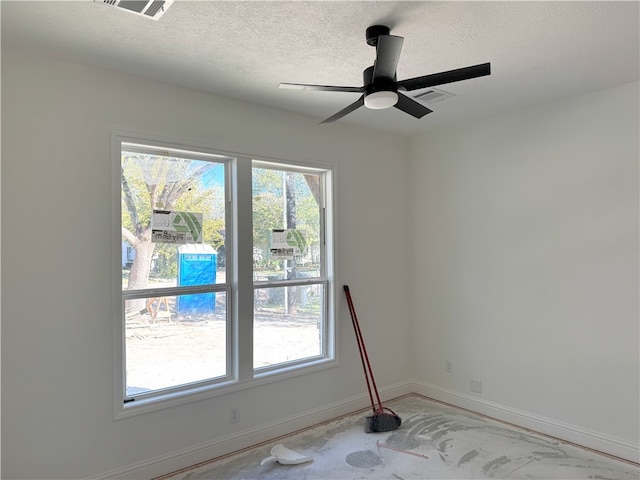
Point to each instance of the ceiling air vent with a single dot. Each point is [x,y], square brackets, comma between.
[146,8]
[433,95]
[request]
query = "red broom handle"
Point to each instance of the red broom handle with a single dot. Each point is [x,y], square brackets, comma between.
[363,351]
[360,345]
[359,341]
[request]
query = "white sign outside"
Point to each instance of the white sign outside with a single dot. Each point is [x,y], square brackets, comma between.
[287,244]
[168,226]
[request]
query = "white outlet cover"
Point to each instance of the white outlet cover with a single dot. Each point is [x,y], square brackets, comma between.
[475,386]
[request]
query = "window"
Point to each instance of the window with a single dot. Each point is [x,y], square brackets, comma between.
[201,310]
[288,252]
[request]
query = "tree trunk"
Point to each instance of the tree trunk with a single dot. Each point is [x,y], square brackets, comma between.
[290,214]
[139,274]
[141,266]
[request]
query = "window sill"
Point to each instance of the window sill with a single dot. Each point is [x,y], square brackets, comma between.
[197,393]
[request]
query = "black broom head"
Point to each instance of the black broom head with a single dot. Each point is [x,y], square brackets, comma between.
[382,422]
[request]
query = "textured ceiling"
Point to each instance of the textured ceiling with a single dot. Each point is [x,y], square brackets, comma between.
[539,51]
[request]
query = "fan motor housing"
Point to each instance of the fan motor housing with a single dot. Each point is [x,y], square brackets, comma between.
[374,31]
[381,84]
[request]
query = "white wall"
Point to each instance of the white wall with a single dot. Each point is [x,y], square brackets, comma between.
[57,418]
[526,266]
[523,266]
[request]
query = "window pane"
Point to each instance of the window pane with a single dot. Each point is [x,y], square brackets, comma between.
[287,202]
[173,341]
[182,243]
[287,324]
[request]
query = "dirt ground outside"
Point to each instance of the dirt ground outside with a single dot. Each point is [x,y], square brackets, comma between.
[173,350]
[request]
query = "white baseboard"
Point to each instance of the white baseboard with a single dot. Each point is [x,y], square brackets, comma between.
[232,443]
[245,439]
[560,430]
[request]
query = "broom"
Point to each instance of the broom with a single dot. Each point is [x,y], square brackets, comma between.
[383,419]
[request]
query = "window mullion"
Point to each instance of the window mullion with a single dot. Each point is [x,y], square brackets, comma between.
[243,281]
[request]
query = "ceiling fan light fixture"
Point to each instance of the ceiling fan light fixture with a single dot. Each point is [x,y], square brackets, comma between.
[381,100]
[380,86]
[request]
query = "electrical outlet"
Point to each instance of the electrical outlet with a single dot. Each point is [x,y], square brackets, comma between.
[448,366]
[234,415]
[475,386]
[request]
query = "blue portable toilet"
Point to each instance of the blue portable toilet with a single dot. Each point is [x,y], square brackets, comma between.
[196,266]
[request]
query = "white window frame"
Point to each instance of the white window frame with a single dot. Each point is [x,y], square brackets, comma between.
[239,286]
[325,247]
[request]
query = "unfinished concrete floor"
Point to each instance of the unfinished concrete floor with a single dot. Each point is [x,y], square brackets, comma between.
[435,441]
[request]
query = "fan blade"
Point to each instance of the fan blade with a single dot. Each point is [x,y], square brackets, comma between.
[450,76]
[357,104]
[387,56]
[323,88]
[410,106]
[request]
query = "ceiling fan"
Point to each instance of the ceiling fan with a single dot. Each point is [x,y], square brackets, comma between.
[381,88]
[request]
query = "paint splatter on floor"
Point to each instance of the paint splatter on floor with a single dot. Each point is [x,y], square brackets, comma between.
[363,459]
[467,457]
[434,441]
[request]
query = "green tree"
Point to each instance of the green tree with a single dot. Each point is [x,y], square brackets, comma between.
[268,209]
[157,182]
[284,200]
